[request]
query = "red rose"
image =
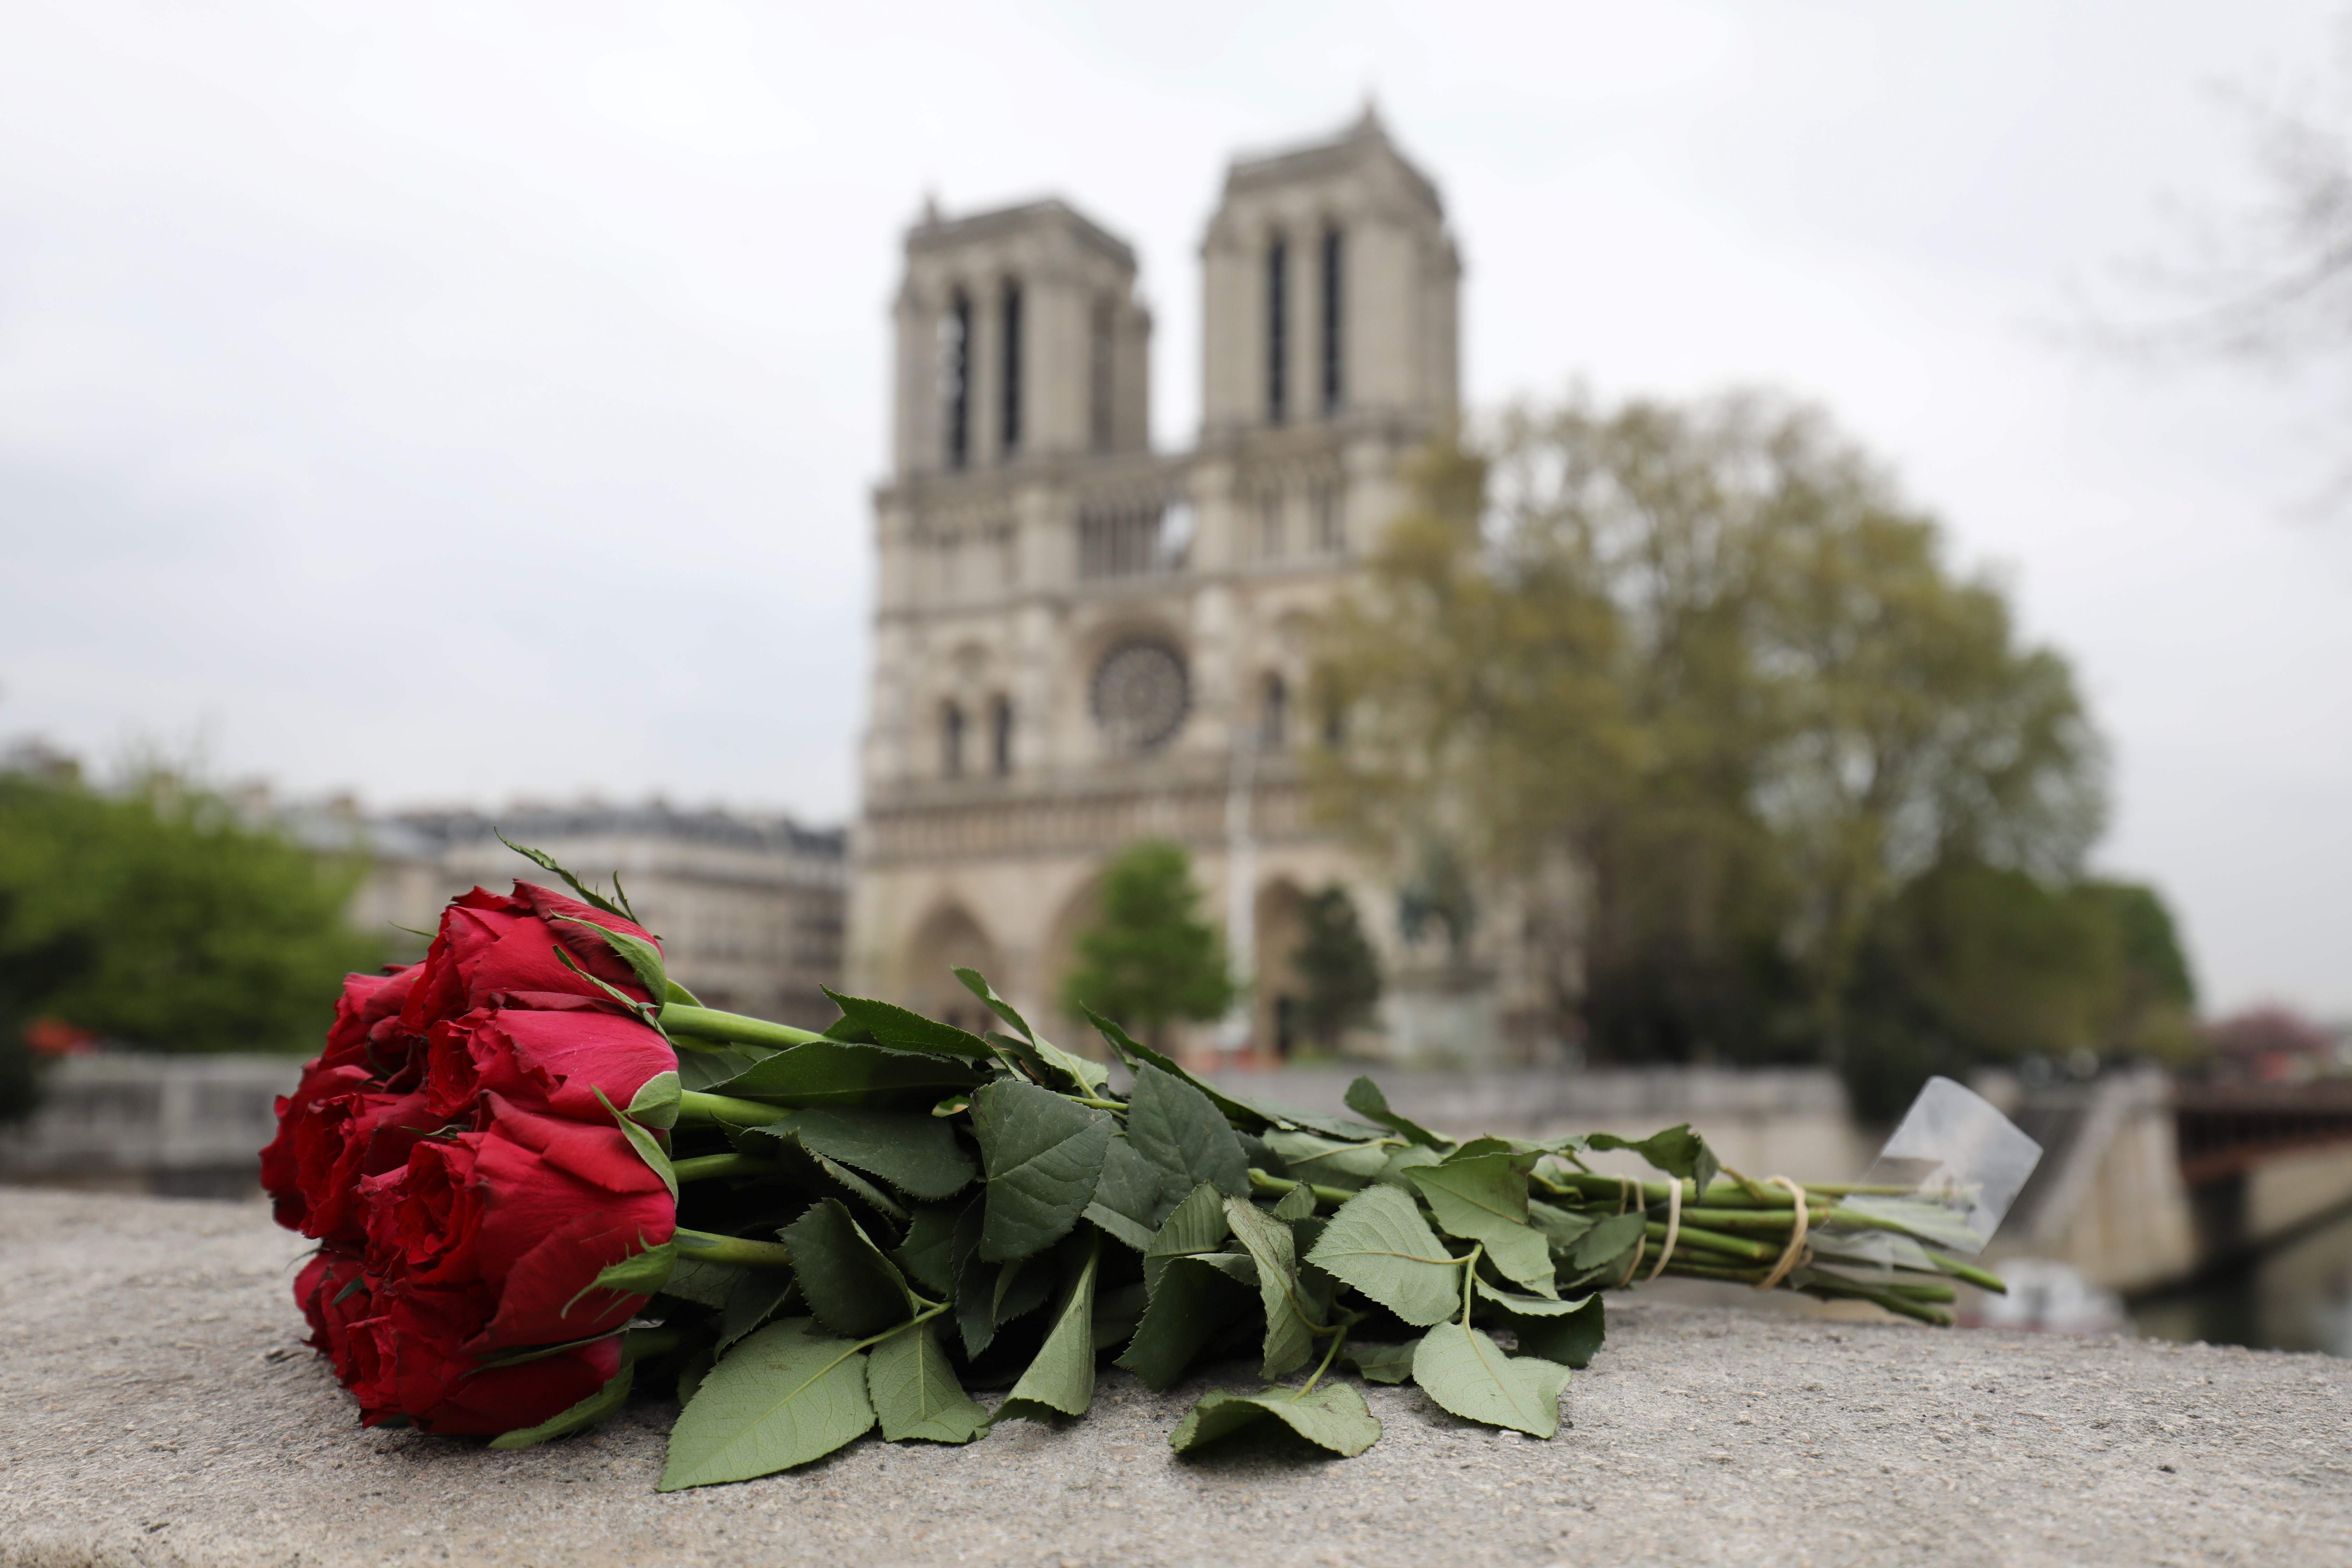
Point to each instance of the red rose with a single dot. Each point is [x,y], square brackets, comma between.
[333,1295]
[555,1060]
[492,948]
[526,1212]
[335,1128]
[366,1031]
[414,1358]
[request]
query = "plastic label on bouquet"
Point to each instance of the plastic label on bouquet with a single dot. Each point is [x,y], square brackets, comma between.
[1947,1177]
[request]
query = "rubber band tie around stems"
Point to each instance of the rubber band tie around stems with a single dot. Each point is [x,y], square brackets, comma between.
[1673,1231]
[1796,1250]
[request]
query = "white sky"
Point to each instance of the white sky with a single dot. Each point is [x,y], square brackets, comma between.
[461,401]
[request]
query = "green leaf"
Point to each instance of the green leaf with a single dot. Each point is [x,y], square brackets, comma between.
[689,1376]
[752,1300]
[1062,1379]
[1311,1157]
[641,1273]
[1572,1338]
[851,1288]
[1381,1363]
[680,994]
[546,862]
[1333,1415]
[1561,1227]
[648,1146]
[1678,1151]
[702,1070]
[927,1255]
[890,1025]
[1183,1135]
[786,1395]
[1127,1200]
[1088,1077]
[1298,1203]
[914,1150]
[705,1283]
[858,1187]
[643,959]
[1467,1373]
[1484,1200]
[915,1393]
[655,1103]
[1196,1225]
[1289,1336]
[1044,1156]
[1532,1306]
[1379,1243]
[606,1401]
[1117,1312]
[1365,1099]
[1400,1161]
[1197,1298]
[1136,1054]
[833,1072]
[1609,1240]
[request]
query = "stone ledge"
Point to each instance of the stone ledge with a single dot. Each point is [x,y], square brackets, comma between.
[156,1408]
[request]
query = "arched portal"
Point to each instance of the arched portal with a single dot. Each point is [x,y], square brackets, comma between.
[951,938]
[1274,1001]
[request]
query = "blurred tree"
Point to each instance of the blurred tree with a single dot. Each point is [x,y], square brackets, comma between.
[155,918]
[1149,959]
[1341,972]
[1705,656]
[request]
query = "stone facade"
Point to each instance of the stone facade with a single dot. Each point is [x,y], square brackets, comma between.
[748,909]
[1080,642]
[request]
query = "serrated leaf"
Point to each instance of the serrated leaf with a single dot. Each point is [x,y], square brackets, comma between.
[1134,1053]
[927,1255]
[1196,1225]
[1563,1229]
[606,1401]
[648,1146]
[1298,1203]
[1062,1377]
[1379,1243]
[1572,1338]
[643,959]
[1333,1415]
[1117,1312]
[1088,1077]
[887,1023]
[1400,1161]
[703,1070]
[1607,1239]
[1197,1298]
[655,1103]
[1530,1305]
[1184,1137]
[858,1187]
[786,1395]
[1467,1372]
[1127,1199]
[914,1394]
[913,1150]
[754,1298]
[546,862]
[851,1288]
[975,1282]
[1043,1155]
[705,1283]
[1485,1199]
[837,1072]
[1677,1151]
[1380,1364]
[1289,1336]
[1312,1157]
[1365,1099]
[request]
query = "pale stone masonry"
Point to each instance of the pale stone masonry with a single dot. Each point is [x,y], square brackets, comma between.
[1080,642]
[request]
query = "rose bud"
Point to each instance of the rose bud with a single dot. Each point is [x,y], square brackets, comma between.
[527,1211]
[366,1032]
[551,1061]
[492,947]
[335,1128]
[414,1358]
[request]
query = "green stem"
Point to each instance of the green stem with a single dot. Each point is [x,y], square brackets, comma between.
[1830,1285]
[731,1028]
[697,1109]
[1260,1181]
[1982,1278]
[1469,1277]
[1714,1241]
[1779,1221]
[705,1248]
[1679,1264]
[1339,1338]
[704,1167]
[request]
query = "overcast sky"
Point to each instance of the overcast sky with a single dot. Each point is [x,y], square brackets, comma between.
[457,402]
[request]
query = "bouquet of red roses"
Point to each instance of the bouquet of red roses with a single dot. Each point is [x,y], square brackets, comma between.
[497,1149]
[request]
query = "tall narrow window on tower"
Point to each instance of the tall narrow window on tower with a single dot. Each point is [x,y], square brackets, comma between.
[1277,330]
[955,378]
[1334,318]
[1008,428]
[1098,369]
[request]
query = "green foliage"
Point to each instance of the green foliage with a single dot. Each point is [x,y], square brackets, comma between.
[785,1397]
[1341,972]
[157,917]
[915,1392]
[1044,1155]
[1464,1371]
[1333,1417]
[1148,957]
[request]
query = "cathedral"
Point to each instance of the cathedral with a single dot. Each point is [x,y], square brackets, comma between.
[1080,642]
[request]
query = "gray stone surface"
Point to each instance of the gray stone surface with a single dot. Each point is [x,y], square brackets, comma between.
[156,1407]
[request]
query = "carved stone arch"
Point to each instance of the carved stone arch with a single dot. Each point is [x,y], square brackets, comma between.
[948,938]
[1276,987]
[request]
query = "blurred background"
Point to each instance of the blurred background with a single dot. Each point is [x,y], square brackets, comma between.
[1701,564]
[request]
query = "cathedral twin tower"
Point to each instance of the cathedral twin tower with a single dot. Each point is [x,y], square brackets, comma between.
[1080,642]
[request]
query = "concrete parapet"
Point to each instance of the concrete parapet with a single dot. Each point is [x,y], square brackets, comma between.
[156,1408]
[189,1125]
